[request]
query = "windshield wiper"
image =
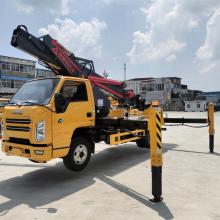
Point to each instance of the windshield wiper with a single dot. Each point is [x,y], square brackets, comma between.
[14,103]
[33,103]
[29,102]
[20,103]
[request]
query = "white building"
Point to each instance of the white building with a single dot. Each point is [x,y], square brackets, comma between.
[195,106]
[161,89]
[151,88]
[15,71]
[169,91]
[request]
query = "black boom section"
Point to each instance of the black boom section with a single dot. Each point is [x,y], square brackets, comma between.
[63,62]
[52,54]
[47,50]
[36,47]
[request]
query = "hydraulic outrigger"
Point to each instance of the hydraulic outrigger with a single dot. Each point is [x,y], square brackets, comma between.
[209,121]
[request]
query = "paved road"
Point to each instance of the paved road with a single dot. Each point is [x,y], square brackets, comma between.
[117,183]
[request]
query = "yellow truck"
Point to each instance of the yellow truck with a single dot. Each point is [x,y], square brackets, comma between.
[64,116]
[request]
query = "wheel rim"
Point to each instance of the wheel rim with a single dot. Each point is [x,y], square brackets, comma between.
[80,154]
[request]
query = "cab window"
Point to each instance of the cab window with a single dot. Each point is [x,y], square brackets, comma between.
[74,91]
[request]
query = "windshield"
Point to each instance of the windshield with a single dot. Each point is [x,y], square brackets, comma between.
[36,91]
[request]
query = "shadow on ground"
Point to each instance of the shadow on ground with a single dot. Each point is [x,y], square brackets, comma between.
[195,152]
[44,186]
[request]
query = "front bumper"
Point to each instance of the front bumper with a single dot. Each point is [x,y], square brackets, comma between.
[27,151]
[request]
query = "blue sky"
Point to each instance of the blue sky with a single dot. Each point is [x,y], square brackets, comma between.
[155,37]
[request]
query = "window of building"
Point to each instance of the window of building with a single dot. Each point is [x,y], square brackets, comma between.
[143,87]
[15,67]
[43,73]
[12,84]
[6,66]
[26,68]
[22,68]
[158,87]
[198,105]
[6,83]
[151,87]
[74,91]
[188,106]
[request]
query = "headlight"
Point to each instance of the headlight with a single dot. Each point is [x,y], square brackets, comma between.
[40,131]
[2,129]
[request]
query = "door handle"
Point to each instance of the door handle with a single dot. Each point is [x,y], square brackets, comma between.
[89,114]
[60,120]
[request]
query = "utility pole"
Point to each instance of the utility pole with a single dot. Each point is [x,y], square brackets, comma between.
[105,74]
[125,71]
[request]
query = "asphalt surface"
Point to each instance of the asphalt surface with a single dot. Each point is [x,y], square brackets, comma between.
[117,183]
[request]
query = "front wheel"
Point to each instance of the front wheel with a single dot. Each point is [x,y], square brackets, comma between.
[79,154]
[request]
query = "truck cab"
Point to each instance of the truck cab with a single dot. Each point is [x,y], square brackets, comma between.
[44,116]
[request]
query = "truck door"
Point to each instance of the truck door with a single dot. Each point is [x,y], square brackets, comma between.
[78,113]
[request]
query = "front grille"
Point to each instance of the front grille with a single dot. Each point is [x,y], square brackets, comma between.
[19,141]
[16,128]
[12,124]
[18,121]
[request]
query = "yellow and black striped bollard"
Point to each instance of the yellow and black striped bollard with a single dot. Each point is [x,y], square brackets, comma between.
[156,152]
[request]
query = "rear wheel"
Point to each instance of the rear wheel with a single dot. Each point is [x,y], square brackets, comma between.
[79,154]
[143,142]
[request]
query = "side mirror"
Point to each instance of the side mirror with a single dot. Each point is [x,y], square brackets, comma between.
[59,102]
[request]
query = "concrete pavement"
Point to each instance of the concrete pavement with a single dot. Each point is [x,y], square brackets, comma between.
[117,183]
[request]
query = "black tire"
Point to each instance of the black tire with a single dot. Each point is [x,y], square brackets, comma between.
[79,154]
[143,142]
[35,161]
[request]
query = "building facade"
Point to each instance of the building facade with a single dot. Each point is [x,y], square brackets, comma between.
[15,71]
[195,106]
[151,88]
[169,91]
[213,97]
[41,73]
